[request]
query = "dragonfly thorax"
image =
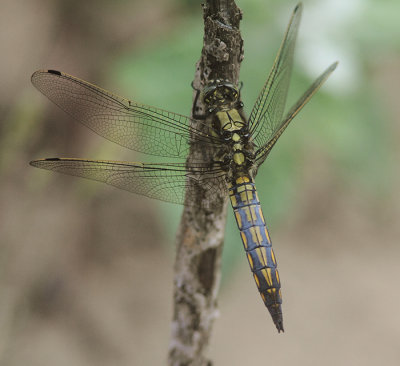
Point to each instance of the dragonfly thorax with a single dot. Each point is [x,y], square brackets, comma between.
[237,151]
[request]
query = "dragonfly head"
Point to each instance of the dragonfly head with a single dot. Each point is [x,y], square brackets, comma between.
[220,93]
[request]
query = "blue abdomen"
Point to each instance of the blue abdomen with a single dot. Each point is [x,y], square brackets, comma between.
[257,244]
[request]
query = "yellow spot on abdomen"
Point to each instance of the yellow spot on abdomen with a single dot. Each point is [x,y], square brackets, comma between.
[257,280]
[244,239]
[238,219]
[248,214]
[233,200]
[253,234]
[253,213]
[250,260]
[267,275]
[261,215]
[264,255]
[272,291]
[259,236]
[267,235]
[244,197]
[260,256]
[273,256]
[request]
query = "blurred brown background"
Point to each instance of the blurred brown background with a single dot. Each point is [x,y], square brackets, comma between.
[86,270]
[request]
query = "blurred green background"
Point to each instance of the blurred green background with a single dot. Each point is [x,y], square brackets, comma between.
[86,270]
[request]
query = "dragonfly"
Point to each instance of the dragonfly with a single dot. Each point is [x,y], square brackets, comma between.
[239,144]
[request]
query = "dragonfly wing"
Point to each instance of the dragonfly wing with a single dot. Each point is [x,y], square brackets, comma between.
[165,182]
[133,125]
[263,152]
[268,110]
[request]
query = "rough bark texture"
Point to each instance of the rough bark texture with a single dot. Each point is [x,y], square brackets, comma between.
[201,233]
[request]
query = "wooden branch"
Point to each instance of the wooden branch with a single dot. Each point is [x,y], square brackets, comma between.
[201,233]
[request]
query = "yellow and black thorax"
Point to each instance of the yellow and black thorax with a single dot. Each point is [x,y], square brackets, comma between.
[222,99]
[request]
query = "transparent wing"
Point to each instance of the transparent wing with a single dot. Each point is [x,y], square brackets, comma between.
[165,182]
[263,152]
[133,125]
[267,112]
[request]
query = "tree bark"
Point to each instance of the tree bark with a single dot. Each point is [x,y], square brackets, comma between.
[201,233]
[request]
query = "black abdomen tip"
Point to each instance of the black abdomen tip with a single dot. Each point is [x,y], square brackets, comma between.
[276,314]
[279,325]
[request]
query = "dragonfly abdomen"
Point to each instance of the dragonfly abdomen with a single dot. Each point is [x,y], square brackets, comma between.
[257,244]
